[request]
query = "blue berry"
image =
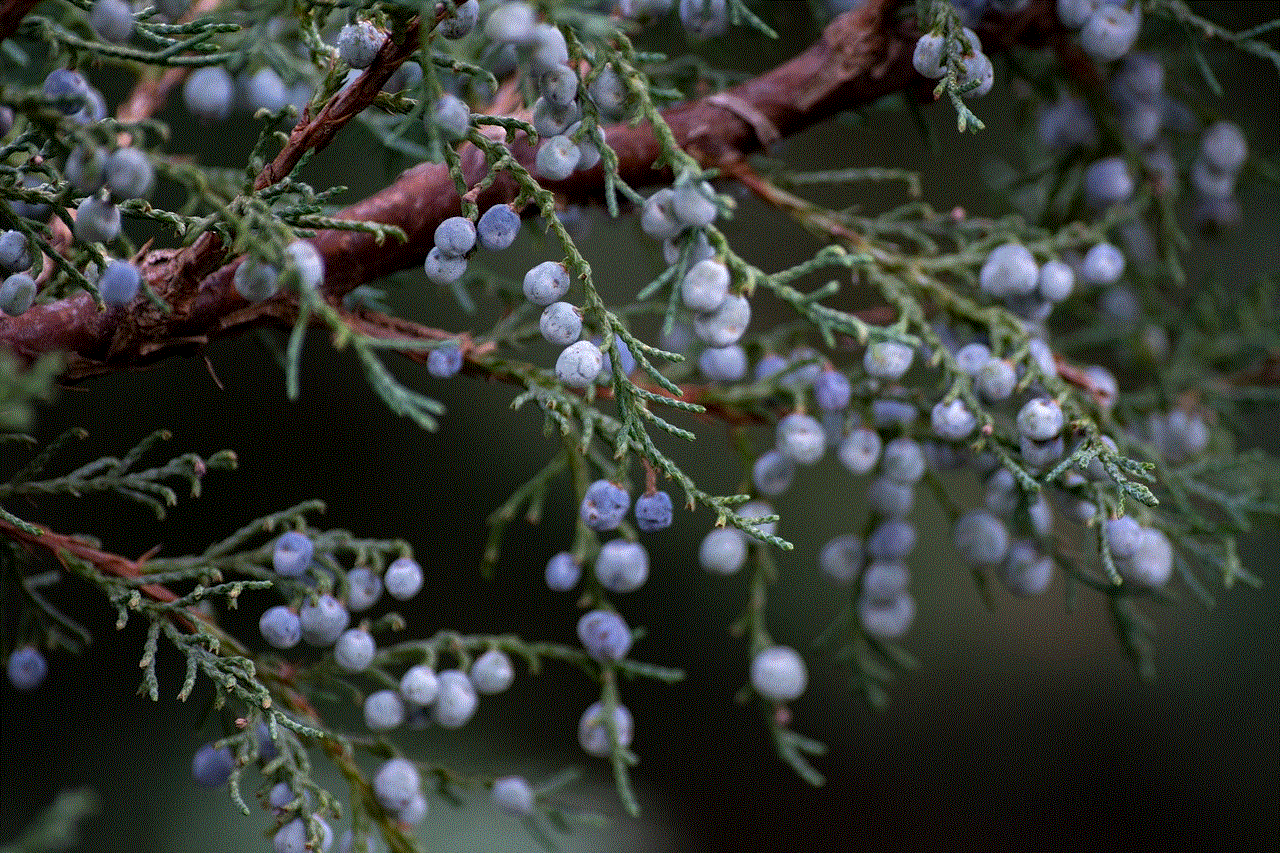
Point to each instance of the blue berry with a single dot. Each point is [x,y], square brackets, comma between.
[119,283]
[403,578]
[903,460]
[292,554]
[887,620]
[512,794]
[726,324]
[557,158]
[1223,147]
[604,505]
[445,361]
[560,323]
[303,258]
[889,498]
[1073,13]
[593,731]
[841,558]
[69,86]
[884,581]
[461,22]
[779,674]
[492,672]
[456,699]
[953,421]
[450,117]
[264,90]
[292,837]
[549,48]
[1025,571]
[1103,264]
[893,541]
[364,588]
[550,120]
[97,220]
[723,550]
[408,77]
[832,390]
[622,565]
[1151,564]
[1009,270]
[546,283]
[625,359]
[609,92]
[15,251]
[324,621]
[801,438]
[971,357]
[211,767]
[359,43]
[1067,124]
[255,280]
[981,538]
[1109,33]
[754,510]
[769,366]
[705,285]
[383,710]
[704,19]
[1124,534]
[209,93]
[443,269]
[772,473]
[1040,419]
[129,173]
[415,812]
[1056,281]
[26,668]
[860,450]
[657,219]
[419,685]
[396,783]
[579,364]
[455,236]
[280,627]
[497,227]
[511,23]
[694,204]
[723,364]
[354,650]
[654,511]
[927,57]
[803,369]
[604,635]
[559,85]
[17,293]
[563,572]
[887,360]
[1107,182]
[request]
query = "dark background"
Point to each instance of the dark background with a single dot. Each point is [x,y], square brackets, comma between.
[1025,728]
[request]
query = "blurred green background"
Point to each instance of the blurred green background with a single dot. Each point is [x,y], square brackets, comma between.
[1025,727]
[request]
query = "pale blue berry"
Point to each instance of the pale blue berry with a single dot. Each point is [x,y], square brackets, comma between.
[280,627]
[445,361]
[977,66]
[359,43]
[456,699]
[1103,264]
[17,293]
[492,672]
[657,219]
[579,364]
[546,283]
[887,360]
[383,710]
[292,554]
[622,565]
[403,578]
[1025,571]
[609,92]
[1124,534]
[1009,270]
[779,674]
[1223,147]
[953,421]
[752,511]
[549,48]
[415,812]
[512,794]
[450,117]
[704,19]
[801,438]
[723,364]
[461,22]
[396,783]
[884,581]
[860,450]
[364,588]
[15,251]
[604,505]
[557,158]
[455,236]
[971,357]
[511,23]
[209,93]
[419,685]
[927,57]
[1056,281]
[497,228]
[1107,182]
[26,668]
[841,558]
[562,572]
[723,551]
[354,650]
[129,173]
[1109,33]
[304,259]
[694,204]
[1040,419]
[889,498]
[559,85]
[903,460]
[211,767]
[443,269]
[264,90]
[892,541]
[1151,564]
[605,635]
[654,511]
[594,733]
[324,621]
[119,283]
[255,280]
[772,473]
[549,120]
[705,285]
[981,538]
[832,390]
[887,620]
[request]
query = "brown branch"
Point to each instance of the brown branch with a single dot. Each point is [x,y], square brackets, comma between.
[862,56]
